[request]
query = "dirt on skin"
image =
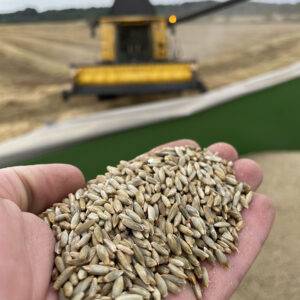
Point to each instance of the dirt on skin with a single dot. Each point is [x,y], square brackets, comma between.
[275,273]
[35,58]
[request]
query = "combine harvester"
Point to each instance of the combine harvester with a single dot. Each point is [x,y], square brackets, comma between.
[135,54]
[257,114]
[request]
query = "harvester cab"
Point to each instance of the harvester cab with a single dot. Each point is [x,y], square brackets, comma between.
[133,33]
[134,55]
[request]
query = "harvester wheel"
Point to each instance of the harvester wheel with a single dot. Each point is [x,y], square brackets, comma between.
[65,96]
[106,97]
[202,87]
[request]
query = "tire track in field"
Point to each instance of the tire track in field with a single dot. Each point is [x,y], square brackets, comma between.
[30,57]
[58,52]
[79,38]
[66,33]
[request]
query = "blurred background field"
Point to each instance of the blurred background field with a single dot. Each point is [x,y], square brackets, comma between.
[275,273]
[35,60]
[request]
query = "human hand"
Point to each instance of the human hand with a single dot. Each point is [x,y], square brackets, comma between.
[27,243]
[26,254]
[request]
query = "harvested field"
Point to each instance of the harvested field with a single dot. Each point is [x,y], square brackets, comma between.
[275,273]
[34,61]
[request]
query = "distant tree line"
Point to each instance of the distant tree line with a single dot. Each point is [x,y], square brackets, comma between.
[31,15]
[90,14]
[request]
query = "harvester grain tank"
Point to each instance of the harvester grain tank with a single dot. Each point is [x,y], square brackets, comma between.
[134,54]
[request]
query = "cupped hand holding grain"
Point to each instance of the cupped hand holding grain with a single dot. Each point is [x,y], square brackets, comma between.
[26,252]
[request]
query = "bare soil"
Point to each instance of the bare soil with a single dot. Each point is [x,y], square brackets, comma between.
[35,58]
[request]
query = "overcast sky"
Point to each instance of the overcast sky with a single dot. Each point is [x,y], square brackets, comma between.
[41,5]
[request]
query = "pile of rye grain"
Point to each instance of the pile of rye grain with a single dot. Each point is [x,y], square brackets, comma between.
[143,229]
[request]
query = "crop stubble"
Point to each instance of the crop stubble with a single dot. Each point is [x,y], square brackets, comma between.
[144,228]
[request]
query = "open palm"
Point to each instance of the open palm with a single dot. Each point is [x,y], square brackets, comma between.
[27,243]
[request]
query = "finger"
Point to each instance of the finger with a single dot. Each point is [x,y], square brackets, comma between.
[34,188]
[224,150]
[52,294]
[178,143]
[248,171]
[258,218]
[15,266]
[40,243]
[186,293]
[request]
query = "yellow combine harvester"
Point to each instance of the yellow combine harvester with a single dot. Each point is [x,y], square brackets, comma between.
[134,59]
[134,55]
